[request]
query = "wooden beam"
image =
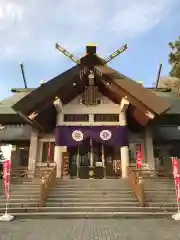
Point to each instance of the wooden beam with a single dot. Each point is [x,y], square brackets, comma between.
[1,127]
[26,118]
[57,103]
[36,112]
[140,117]
[33,115]
[31,121]
[150,114]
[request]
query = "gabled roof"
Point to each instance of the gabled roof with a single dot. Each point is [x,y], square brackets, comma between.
[69,84]
[46,93]
[135,90]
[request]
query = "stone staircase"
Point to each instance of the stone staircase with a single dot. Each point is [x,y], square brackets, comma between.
[108,198]
[160,193]
[24,194]
[91,198]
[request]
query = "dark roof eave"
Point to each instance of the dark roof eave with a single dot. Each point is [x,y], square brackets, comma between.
[46,91]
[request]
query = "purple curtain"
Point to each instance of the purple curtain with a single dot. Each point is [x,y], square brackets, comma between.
[72,135]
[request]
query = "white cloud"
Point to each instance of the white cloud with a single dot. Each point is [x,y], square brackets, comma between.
[30,28]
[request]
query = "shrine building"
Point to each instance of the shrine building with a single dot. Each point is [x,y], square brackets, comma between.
[90,120]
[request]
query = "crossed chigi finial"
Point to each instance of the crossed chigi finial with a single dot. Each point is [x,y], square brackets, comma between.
[91,48]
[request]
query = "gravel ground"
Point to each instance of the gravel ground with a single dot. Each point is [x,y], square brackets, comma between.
[87,229]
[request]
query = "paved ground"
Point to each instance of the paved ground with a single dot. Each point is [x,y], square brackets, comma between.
[90,229]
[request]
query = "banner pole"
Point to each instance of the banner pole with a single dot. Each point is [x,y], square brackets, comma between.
[178,199]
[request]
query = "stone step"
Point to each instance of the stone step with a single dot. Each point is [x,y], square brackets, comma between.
[149,200]
[22,196]
[112,180]
[25,183]
[91,195]
[92,215]
[158,181]
[21,186]
[159,189]
[25,189]
[20,205]
[159,184]
[161,204]
[98,199]
[159,200]
[91,189]
[92,204]
[93,184]
[88,191]
[90,183]
[20,200]
[172,196]
[149,196]
[160,194]
[25,192]
[88,209]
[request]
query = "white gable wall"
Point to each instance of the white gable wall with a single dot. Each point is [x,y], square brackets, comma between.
[75,107]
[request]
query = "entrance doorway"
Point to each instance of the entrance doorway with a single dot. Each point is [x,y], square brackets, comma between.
[92,159]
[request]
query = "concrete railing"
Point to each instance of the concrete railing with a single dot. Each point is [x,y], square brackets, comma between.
[21,173]
[137,185]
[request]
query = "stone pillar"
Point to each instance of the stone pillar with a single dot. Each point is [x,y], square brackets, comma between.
[125,149]
[58,159]
[149,149]
[33,150]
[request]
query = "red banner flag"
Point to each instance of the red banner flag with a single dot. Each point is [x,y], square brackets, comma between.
[175,166]
[177,185]
[49,152]
[6,155]
[139,155]
[6,166]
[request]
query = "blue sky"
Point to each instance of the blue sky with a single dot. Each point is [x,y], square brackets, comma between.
[29,30]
